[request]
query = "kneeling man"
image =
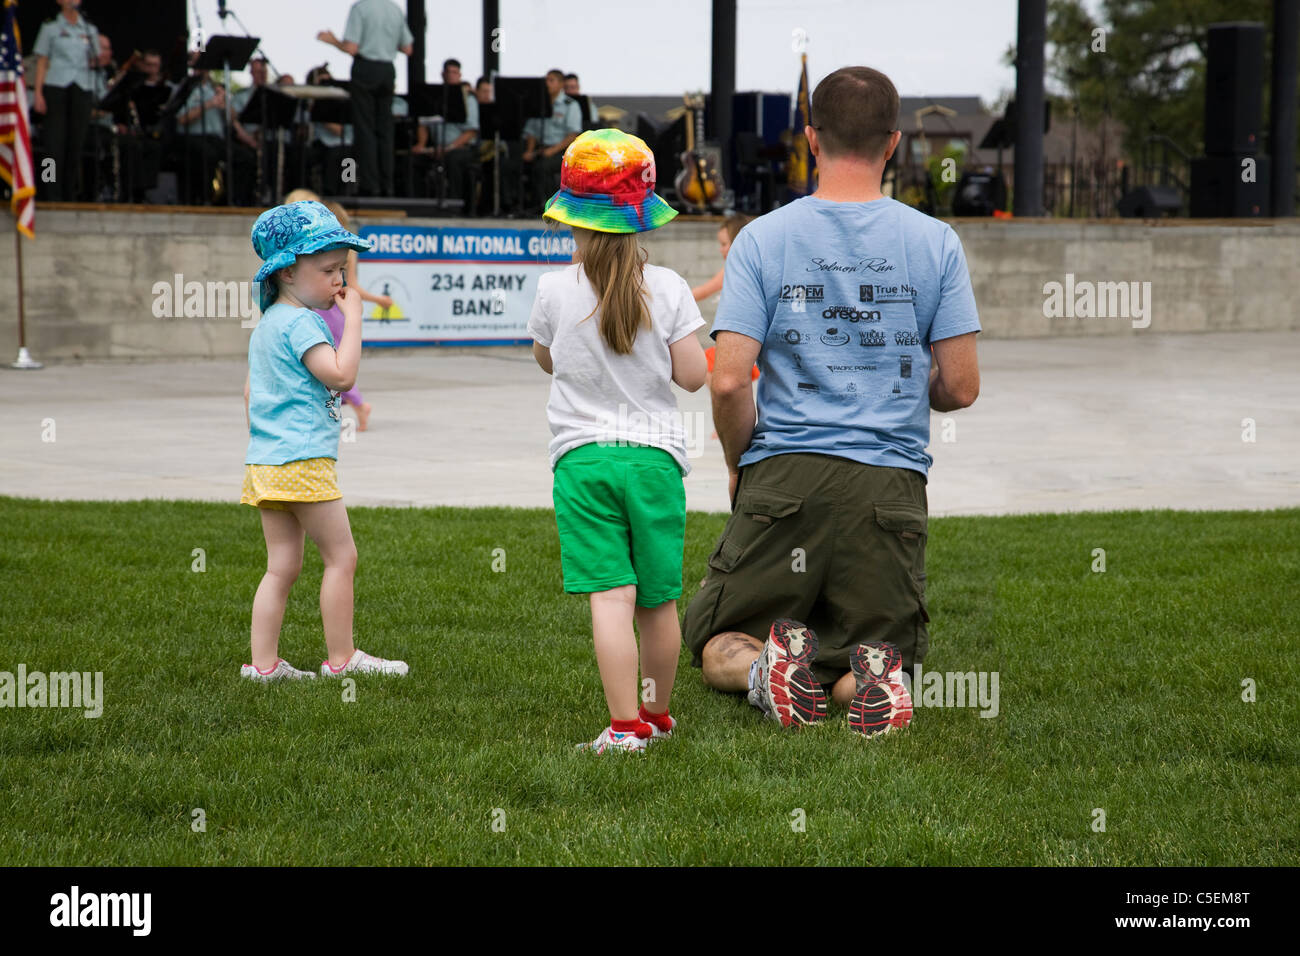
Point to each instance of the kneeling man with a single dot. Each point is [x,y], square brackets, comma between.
[859,312]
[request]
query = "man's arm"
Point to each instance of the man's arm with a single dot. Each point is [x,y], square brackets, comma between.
[733,397]
[561,146]
[954,374]
[346,46]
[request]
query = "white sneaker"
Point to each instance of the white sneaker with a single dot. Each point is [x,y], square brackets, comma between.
[609,740]
[662,734]
[282,670]
[363,663]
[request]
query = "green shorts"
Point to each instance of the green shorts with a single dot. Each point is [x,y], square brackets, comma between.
[832,543]
[621,514]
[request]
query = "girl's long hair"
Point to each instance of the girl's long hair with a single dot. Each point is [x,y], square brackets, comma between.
[613,263]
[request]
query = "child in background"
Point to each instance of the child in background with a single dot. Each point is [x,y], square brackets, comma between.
[332,316]
[294,379]
[614,332]
[727,234]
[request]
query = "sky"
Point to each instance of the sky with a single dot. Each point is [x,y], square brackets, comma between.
[927,47]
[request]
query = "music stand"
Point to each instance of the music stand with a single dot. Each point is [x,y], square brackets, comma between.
[444,103]
[489,130]
[517,99]
[306,97]
[584,104]
[228,53]
[180,95]
[334,107]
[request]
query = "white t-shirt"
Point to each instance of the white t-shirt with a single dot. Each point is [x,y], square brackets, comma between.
[597,395]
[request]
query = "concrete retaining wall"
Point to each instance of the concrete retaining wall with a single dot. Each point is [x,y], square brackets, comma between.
[89,276]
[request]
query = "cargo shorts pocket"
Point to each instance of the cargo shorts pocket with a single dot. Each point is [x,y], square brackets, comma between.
[906,525]
[759,509]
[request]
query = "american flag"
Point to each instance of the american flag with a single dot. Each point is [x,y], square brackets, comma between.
[15,133]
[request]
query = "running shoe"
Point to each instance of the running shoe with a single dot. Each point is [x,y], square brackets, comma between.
[783,686]
[363,663]
[882,700]
[282,670]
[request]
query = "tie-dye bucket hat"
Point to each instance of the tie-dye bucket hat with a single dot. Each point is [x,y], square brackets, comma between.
[295,229]
[607,184]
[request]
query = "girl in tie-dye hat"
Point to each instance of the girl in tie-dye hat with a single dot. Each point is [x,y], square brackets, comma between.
[614,332]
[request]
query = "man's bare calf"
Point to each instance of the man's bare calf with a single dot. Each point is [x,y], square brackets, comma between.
[727,658]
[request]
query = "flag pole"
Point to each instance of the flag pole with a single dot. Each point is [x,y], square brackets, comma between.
[24,361]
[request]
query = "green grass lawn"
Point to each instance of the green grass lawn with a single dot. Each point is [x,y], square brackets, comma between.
[1120,690]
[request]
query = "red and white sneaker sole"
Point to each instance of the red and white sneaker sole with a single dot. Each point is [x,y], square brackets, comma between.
[881,702]
[793,694]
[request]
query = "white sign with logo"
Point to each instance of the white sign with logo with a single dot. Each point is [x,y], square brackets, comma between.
[455,286]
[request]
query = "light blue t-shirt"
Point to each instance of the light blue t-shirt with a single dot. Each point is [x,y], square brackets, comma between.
[845,299]
[292,415]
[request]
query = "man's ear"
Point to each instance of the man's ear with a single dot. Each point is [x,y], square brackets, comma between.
[814,147]
[894,139]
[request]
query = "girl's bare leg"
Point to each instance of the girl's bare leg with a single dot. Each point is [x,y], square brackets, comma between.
[661,642]
[326,523]
[284,541]
[611,628]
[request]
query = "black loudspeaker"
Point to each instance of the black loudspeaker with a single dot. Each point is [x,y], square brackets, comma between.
[1218,191]
[1234,84]
[979,194]
[1150,202]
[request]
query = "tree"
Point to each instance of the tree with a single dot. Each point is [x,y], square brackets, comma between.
[1142,62]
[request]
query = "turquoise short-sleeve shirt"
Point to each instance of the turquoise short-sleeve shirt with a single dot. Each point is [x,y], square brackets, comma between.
[69,48]
[210,122]
[378,28]
[845,299]
[565,118]
[292,414]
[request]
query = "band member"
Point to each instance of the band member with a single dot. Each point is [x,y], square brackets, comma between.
[573,91]
[376,32]
[67,52]
[201,126]
[456,145]
[264,142]
[546,139]
[139,128]
[104,148]
[483,90]
[149,96]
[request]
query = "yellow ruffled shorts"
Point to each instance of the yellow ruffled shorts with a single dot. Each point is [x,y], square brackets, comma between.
[271,486]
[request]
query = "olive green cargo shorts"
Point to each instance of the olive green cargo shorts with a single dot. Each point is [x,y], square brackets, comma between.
[833,543]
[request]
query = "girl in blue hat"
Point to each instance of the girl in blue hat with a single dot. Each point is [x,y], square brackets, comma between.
[295,377]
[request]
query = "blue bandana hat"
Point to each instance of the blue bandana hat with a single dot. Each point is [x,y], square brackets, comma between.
[295,229]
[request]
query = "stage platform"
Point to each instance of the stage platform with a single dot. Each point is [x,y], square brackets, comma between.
[91,274]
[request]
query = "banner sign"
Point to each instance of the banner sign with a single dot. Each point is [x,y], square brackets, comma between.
[455,286]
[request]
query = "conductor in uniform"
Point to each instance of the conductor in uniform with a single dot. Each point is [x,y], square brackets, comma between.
[376,32]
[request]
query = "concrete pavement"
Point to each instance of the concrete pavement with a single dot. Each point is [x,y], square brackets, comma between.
[1100,423]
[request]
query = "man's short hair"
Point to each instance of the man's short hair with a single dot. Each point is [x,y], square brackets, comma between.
[855,110]
[559,73]
[570,76]
[481,81]
[447,63]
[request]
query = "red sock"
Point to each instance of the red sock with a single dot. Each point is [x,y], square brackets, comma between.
[662,721]
[638,727]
